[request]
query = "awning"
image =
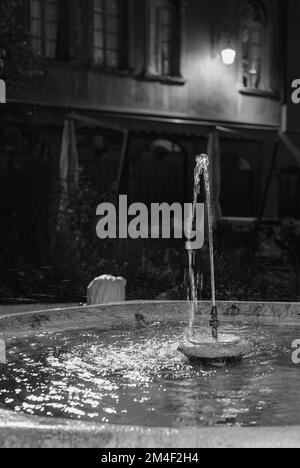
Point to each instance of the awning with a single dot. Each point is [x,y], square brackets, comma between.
[52,114]
[178,127]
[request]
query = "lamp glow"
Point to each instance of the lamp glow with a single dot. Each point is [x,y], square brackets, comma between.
[228,56]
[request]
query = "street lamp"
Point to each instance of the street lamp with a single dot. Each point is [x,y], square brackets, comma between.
[222,44]
[228,56]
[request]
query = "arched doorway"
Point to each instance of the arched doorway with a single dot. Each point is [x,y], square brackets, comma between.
[99,157]
[237,188]
[289,192]
[158,173]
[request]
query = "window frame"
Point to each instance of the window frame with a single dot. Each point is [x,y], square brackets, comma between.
[153,48]
[43,24]
[264,88]
[252,28]
[123,49]
[65,33]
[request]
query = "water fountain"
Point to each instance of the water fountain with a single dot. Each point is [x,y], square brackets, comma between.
[215,348]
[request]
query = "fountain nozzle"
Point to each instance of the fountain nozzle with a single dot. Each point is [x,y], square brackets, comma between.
[214,323]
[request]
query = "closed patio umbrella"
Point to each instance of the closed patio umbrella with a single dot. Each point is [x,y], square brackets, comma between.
[69,160]
[68,169]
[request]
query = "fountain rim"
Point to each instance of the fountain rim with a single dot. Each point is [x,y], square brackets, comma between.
[258,305]
[154,302]
[19,431]
[264,313]
[259,312]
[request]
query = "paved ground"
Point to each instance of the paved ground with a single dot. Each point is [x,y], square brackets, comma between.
[16,309]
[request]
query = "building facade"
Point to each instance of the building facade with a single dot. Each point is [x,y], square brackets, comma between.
[145,83]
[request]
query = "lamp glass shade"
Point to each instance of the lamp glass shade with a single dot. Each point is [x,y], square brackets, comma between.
[228,56]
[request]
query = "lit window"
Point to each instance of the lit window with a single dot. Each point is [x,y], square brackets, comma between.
[106,33]
[255,46]
[164,33]
[44,27]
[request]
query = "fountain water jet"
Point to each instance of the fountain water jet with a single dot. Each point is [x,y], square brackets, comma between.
[217,348]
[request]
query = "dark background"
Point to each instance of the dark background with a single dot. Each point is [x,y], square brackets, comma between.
[144,83]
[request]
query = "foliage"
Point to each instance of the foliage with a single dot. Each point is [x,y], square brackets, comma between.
[153,269]
[18,66]
[288,239]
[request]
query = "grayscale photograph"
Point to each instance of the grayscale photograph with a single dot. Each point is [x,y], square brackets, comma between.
[150,227]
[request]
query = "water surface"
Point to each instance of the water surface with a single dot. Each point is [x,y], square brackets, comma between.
[137,377]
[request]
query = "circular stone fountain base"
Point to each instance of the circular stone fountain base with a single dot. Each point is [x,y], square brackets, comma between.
[228,349]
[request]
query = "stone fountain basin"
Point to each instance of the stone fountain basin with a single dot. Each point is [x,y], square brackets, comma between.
[17,430]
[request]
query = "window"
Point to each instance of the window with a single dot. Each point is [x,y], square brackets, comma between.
[44,27]
[255,47]
[79,32]
[163,46]
[165,41]
[109,39]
